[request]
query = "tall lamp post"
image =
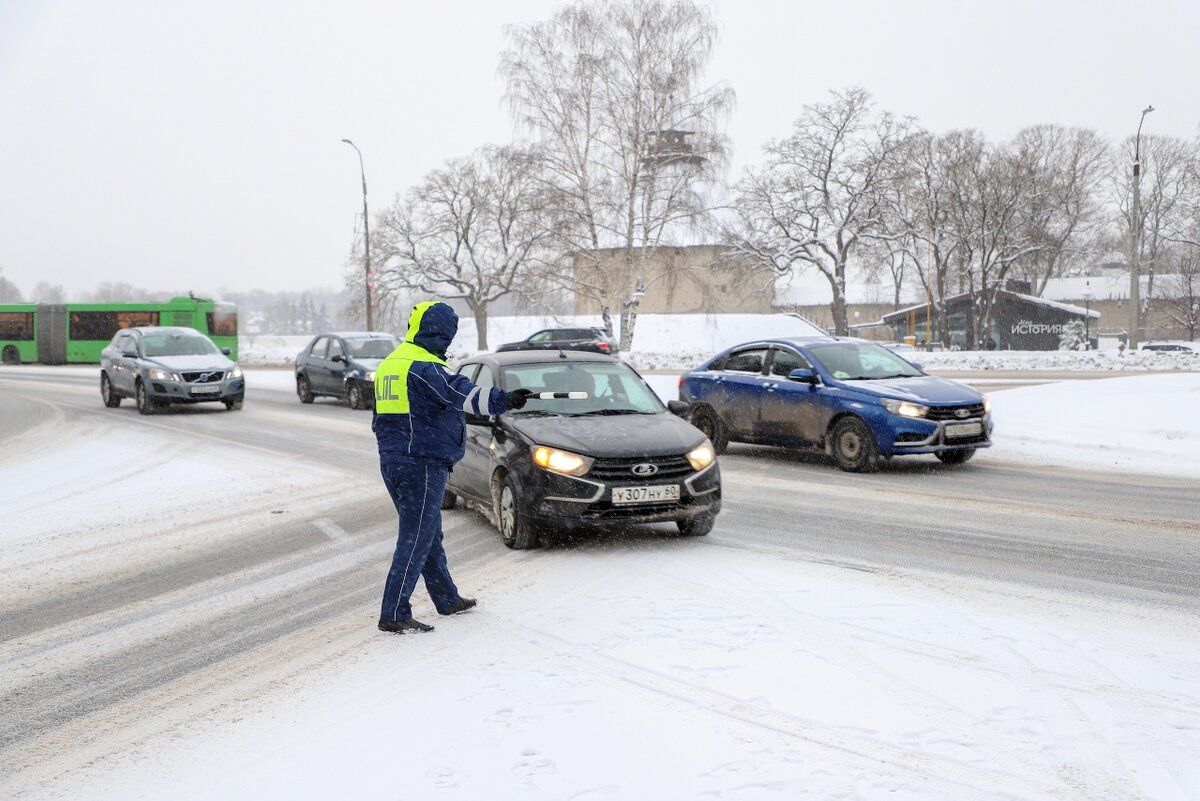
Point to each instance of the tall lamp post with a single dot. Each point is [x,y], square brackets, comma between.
[1135,303]
[1087,318]
[366,236]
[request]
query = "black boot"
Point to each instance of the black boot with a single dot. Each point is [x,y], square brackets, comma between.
[463,605]
[402,626]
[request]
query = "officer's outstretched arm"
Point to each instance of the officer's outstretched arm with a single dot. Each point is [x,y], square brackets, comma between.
[472,399]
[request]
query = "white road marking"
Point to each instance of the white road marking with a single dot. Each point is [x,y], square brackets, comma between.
[330,528]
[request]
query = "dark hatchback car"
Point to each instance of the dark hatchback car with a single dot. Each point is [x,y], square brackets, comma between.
[592,340]
[342,365]
[161,366]
[851,398]
[619,456]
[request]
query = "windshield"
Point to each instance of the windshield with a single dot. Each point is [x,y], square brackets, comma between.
[612,388]
[177,344]
[856,361]
[371,347]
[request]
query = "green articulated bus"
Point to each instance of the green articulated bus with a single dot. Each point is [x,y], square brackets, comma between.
[75,333]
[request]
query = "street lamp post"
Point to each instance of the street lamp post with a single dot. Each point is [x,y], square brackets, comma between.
[1087,318]
[366,236]
[1135,303]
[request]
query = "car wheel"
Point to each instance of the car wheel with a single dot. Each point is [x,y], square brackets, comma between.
[111,399]
[515,529]
[853,447]
[955,457]
[449,499]
[355,397]
[145,404]
[696,526]
[304,390]
[234,405]
[705,419]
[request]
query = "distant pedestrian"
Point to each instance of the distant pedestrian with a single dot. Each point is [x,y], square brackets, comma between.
[419,423]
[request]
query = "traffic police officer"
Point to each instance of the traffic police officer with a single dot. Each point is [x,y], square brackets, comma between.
[419,422]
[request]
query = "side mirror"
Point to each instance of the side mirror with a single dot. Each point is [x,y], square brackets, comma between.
[678,408]
[226,351]
[337,357]
[804,375]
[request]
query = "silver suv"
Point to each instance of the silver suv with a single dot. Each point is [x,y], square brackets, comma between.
[158,367]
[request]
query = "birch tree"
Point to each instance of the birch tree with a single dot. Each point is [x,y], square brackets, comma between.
[821,192]
[475,229]
[628,138]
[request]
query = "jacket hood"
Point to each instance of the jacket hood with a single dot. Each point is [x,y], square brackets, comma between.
[432,326]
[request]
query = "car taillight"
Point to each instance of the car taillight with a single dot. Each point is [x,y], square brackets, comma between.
[602,345]
[680,383]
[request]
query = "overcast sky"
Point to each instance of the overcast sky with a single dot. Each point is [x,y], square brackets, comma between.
[181,146]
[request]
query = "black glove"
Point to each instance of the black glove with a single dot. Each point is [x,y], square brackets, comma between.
[518,397]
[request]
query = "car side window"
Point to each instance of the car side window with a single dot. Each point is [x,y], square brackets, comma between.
[746,361]
[318,348]
[785,361]
[335,348]
[541,336]
[123,342]
[467,370]
[484,380]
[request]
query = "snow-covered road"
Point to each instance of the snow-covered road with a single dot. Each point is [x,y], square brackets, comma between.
[189,599]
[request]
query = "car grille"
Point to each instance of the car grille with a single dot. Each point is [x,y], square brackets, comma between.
[951,412]
[212,378]
[669,467]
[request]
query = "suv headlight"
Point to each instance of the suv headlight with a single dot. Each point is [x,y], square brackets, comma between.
[236,372]
[565,462]
[905,408]
[702,455]
[156,374]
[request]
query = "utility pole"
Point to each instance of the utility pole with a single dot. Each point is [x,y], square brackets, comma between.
[366,236]
[1135,302]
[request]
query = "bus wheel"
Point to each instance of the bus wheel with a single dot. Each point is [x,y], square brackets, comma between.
[111,399]
[145,404]
[11,356]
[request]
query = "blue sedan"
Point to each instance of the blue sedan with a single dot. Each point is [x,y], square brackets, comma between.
[851,398]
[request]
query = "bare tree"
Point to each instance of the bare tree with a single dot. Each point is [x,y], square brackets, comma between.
[629,141]
[475,230]
[1180,292]
[1066,167]
[9,292]
[46,292]
[821,192]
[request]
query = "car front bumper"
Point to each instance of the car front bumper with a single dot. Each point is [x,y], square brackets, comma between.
[928,436]
[172,392]
[565,502]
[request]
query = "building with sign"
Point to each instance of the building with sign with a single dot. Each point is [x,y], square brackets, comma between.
[1017,322]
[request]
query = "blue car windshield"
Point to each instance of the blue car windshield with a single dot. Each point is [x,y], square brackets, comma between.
[154,345]
[612,388]
[371,347]
[860,361]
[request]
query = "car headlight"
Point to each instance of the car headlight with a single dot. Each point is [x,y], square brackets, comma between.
[702,455]
[987,404]
[236,372]
[156,374]
[565,462]
[905,408]
[369,375]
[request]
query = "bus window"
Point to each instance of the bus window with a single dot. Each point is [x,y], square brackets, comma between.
[129,319]
[17,326]
[93,325]
[222,323]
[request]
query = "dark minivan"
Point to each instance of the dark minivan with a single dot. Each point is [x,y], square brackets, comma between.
[617,456]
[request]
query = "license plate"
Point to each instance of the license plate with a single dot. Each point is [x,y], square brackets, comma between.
[211,390]
[662,492]
[964,429]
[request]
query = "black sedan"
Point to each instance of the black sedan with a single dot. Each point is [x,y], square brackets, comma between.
[342,365]
[592,340]
[617,456]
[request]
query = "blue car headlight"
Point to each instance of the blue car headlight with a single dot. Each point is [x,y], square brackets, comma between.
[904,408]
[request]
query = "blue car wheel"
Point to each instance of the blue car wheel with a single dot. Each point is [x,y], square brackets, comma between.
[853,446]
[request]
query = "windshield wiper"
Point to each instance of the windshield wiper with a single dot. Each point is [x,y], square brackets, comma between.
[535,413]
[897,375]
[611,411]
